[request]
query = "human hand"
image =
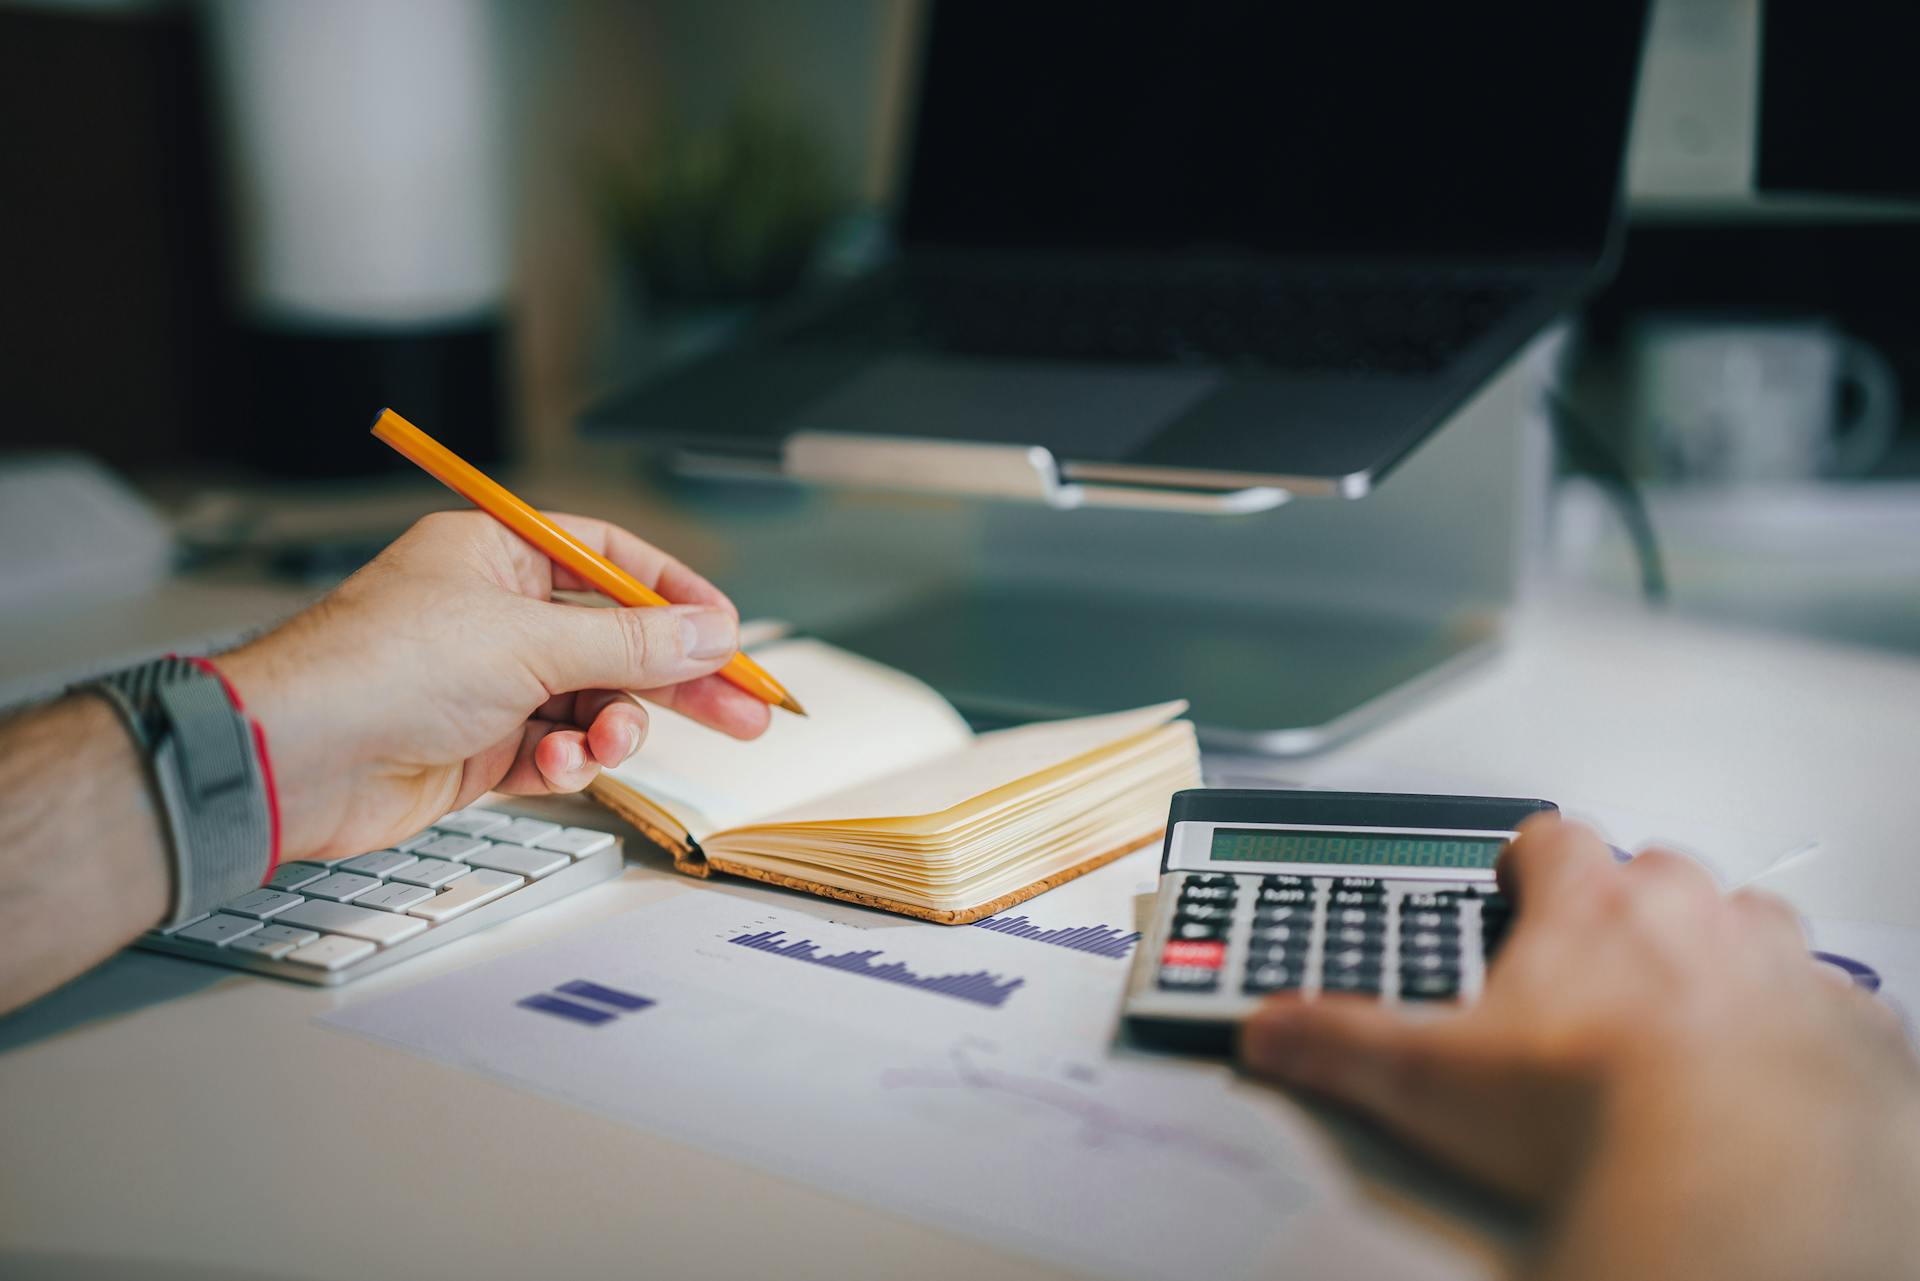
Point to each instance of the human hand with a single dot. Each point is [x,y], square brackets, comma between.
[1623,995]
[444,669]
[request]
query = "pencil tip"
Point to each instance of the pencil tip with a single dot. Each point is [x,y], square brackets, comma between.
[792,704]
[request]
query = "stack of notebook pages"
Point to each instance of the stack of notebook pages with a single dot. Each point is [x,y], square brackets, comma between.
[884,797]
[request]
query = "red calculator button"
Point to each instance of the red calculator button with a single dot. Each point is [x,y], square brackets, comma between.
[1210,955]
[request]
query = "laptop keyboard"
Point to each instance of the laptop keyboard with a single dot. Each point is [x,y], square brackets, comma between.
[1292,321]
[330,920]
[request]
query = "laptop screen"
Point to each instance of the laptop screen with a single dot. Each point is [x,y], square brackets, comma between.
[1273,127]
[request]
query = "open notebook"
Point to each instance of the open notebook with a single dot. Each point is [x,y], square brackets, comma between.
[884,797]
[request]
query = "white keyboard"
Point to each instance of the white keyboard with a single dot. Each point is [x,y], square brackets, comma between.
[330,920]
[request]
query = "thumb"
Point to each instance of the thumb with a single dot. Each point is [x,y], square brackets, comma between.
[1356,1050]
[646,648]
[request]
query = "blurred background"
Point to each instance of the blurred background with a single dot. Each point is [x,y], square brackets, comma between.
[233,229]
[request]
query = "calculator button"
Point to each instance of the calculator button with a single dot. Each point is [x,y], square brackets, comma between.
[1287,952]
[1273,978]
[1203,912]
[1357,916]
[1358,883]
[1356,898]
[1428,920]
[1210,878]
[1357,935]
[1365,979]
[1187,953]
[1188,978]
[1286,896]
[1353,958]
[1206,894]
[1297,914]
[1429,963]
[1293,932]
[1429,987]
[1282,881]
[1427,940]
[1200,929]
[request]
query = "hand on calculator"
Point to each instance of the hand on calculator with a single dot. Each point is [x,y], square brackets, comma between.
[1643,1042]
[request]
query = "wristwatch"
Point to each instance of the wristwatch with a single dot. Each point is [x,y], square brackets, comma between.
[207,763]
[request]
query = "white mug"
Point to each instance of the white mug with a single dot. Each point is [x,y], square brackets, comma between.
[1727,400]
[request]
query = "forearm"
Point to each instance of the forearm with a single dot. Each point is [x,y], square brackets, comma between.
[83,858]
[1767,1175]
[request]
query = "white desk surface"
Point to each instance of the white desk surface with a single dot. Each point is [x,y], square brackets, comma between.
[201,1124]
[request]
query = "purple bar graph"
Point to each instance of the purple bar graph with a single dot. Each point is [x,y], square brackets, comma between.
[980,987]
[1101,940]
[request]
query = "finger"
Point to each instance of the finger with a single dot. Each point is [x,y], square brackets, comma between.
[717,704]
[1674,870]
[1355,1050]
[575,649]
[563,760]
[1769,913]
[641,559]
[617,732]
[526,775]
[1548,855]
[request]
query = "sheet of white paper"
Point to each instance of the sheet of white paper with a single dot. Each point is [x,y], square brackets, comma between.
[994,1112]
[862,720]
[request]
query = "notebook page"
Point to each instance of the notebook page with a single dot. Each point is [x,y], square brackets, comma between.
[987,763]
[865,720]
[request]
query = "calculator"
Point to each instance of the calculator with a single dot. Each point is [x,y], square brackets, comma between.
[1381,894]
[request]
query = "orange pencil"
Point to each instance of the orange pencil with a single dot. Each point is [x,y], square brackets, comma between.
[463,478]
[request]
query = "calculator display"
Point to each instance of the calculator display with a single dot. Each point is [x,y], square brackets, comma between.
[1370,849]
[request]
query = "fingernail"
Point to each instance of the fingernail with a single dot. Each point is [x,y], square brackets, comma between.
[708,633]
[571,757]
[633,742]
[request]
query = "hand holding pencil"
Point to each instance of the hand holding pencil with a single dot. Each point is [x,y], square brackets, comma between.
[457,474]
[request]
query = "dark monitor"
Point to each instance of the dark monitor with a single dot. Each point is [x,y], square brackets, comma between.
[1273,127]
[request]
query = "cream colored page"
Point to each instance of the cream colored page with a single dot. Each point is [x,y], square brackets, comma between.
[865,720]
[987,763]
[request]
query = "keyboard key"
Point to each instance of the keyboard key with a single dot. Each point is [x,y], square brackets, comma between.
[333,952]
[384,928]
[218,930]
[279,933]
[380,863]
[261,904]
[473,822]
[272,942]
[450,847]
[415,841]
[291,876]
[168,930]
[396,896]
[341,887]
[482,885]
[524,831]
[430,872]
[576,841]
[532,864]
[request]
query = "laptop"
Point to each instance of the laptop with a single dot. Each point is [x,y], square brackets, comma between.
[1212,246]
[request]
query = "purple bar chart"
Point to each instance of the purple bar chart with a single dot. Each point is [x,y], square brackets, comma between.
[979,986]
[1101,940]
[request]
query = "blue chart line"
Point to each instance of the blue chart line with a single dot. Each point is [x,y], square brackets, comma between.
[1101,940]
[979,987]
